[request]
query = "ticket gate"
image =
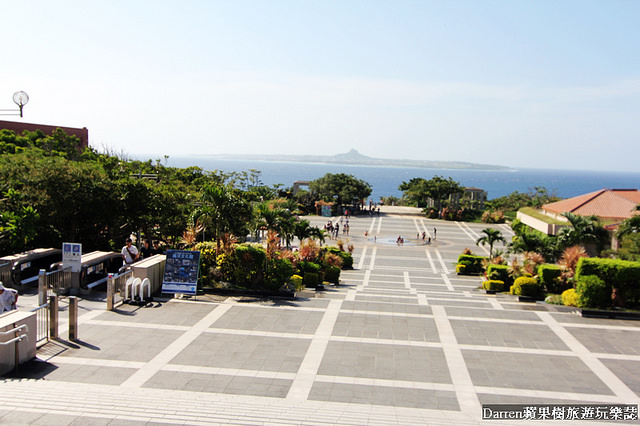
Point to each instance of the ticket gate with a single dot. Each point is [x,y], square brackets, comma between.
[26,266]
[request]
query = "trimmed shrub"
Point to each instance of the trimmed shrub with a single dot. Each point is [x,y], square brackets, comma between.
[550,277]
[279,271]
[592,292]
[296,280]
[493,285]
[311,279]
[499,272]
[621,274]
[347,258]
[570,297]
[526,286]
[249,265]
[308,267]
[332,274]
[460,268]
[474,263]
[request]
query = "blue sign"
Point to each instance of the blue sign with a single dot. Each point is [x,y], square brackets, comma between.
[181,272]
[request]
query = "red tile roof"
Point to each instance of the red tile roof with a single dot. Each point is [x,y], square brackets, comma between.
[605,203]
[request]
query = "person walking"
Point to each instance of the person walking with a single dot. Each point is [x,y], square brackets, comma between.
[8,298]
[129,252]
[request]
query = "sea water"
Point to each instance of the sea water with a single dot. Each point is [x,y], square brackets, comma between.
[385,180]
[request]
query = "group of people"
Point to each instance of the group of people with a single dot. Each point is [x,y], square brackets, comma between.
[334,230]
[131,254]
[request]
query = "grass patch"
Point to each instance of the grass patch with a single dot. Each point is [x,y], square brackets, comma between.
[530,211]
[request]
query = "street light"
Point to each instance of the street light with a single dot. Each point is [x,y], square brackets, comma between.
[19,98]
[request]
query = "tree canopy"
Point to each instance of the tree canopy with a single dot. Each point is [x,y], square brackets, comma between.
[340,188]
[418,190]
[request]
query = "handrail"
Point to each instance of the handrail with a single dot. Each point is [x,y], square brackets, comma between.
[15,339]
[18,328]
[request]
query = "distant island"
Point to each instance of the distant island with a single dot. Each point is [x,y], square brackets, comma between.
[353,157]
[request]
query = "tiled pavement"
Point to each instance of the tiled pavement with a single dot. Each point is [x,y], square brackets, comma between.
[403,340]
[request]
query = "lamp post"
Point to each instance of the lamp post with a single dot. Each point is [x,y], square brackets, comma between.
[19,98]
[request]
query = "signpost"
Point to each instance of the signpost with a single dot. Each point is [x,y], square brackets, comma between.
[181,272]
[72,256]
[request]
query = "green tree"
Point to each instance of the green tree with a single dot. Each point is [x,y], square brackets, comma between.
[341,188]
[490,237]
[418,190]
[584,230]
[226,210]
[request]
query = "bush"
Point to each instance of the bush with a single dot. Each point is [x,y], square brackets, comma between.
[621,274]
[279,271]
[473,263]
[308,267]
[347,258]
[461,268]
[526,286]
[551,278]
[311,279]
[592,292]
[493,285]
[249,265]
[570,297]
[296,280]
[499,272]
[332,274]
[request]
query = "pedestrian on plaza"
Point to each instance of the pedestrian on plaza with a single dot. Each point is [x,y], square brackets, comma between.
[435,231]
[129,252]
[8,298]
[156,248]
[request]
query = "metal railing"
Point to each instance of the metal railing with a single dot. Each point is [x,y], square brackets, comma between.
[58,281]
[42,324]
[116,288]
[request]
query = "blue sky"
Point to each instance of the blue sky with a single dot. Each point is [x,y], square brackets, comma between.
[544,84]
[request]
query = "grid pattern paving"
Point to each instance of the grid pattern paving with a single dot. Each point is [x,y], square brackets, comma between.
[402,340]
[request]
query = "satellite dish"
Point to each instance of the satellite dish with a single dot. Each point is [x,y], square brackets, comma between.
[21,99]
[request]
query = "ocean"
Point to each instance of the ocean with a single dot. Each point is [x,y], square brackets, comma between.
[385,180]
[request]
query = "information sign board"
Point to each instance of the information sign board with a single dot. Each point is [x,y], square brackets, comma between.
[72,256]
[181,271]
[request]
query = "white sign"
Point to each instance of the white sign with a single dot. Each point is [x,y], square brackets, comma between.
[72,256]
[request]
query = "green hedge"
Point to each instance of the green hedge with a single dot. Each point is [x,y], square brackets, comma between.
[332,274]
[551,278]
[493,285]
[526,286]
[347,258]
[473,263]
[592,292]
[621,274]
[500,273]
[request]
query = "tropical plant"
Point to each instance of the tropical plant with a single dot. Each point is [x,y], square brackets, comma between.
[569,261]
[490,237]
[584,230]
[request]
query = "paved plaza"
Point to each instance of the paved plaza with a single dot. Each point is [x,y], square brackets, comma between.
[403,340]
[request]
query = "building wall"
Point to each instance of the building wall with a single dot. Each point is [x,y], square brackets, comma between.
[19,127]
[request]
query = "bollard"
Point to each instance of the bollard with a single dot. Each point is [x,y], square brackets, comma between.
[53,316]
[110,291]
[42,287]
[73,318]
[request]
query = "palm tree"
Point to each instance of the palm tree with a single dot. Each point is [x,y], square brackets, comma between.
[629,226]
[584,230]
[491,237]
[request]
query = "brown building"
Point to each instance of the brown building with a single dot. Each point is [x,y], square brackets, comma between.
[19,127]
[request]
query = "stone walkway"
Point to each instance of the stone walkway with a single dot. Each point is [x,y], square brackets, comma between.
[402,341]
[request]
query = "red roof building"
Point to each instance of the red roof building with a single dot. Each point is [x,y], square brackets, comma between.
[610,205]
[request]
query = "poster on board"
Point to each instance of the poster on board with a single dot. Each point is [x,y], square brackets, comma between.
[181,272]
